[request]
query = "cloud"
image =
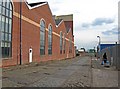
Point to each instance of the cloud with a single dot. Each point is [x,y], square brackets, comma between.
[86,25]
[101,21]
[113,31]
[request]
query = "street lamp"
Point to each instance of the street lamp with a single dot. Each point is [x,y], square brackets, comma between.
[99,42]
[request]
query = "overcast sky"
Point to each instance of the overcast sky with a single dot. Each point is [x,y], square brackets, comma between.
[91,18]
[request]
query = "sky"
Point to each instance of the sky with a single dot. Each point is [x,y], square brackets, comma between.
[91,18]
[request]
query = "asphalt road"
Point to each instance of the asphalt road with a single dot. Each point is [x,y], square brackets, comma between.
[74,72]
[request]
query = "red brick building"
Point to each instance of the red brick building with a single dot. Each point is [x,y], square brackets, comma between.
[29,33]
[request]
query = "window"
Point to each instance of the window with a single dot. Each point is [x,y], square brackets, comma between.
[70,45]
[61,42]
[42,37]
[64,44]
[50,40]
[6,28]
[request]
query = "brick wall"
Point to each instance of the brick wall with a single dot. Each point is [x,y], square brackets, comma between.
[31,35]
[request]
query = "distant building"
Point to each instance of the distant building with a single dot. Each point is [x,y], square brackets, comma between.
[68,20]
[81,52]
[103,46]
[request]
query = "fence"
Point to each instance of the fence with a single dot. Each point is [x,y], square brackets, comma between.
[113,54]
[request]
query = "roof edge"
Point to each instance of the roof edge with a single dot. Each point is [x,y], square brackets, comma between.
[59,23]
[36,5]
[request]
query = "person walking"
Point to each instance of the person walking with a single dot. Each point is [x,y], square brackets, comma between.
[105,61]
[105,57]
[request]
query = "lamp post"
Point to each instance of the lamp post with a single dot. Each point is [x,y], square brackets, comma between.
[99,46]
[99,42]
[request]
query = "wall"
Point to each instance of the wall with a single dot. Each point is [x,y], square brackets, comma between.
[113,54]
[31,35]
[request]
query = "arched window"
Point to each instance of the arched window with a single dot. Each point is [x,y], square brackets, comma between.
[61,42]
[6,27]
[70,45]
[64,43]
[42,37]
[50,39]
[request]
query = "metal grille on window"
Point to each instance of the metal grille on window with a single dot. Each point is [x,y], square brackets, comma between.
[6,28]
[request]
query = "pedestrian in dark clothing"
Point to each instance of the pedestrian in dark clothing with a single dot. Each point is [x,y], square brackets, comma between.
[105,57]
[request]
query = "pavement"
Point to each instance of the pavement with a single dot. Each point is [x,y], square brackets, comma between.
[75,72]
[58,73]
[103,76]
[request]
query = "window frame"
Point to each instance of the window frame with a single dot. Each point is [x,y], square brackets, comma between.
[42,31]
[61,42]
[6,41]
[70,45]
[50,40]
[64,43]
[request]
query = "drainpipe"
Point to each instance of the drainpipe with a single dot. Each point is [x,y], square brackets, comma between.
[20,32]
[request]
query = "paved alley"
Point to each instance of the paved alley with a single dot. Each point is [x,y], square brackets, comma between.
[64,73]
[76,72]
[103,76]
